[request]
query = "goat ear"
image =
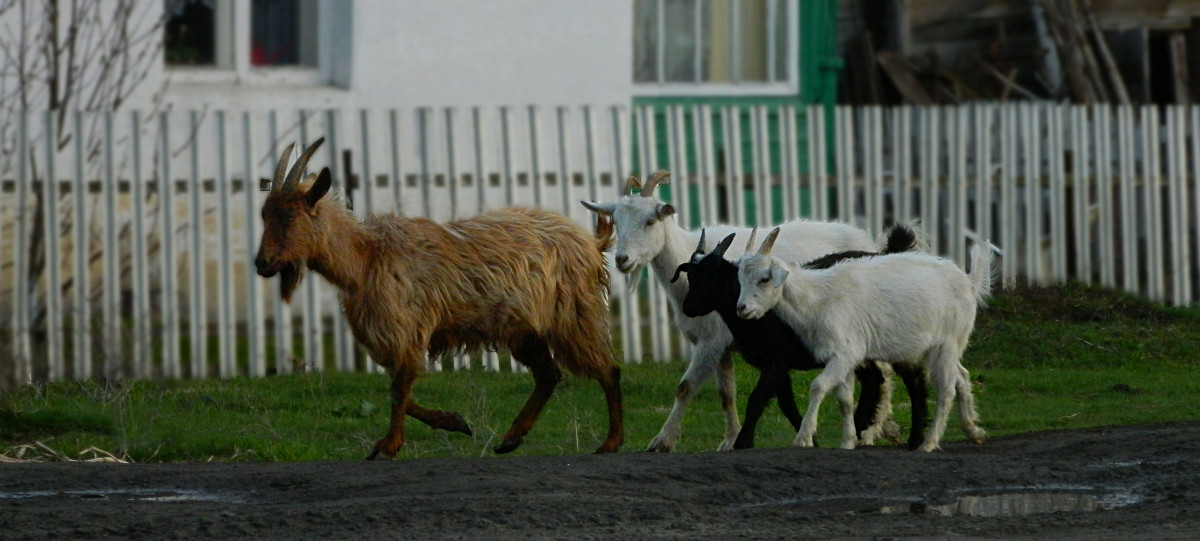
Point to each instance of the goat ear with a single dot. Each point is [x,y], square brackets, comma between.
[722,246]
[599,208]
[665,210]
[778,275]
[683,267]
[319,187]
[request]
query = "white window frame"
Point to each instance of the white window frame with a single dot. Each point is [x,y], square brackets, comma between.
[233,17]
[789,86]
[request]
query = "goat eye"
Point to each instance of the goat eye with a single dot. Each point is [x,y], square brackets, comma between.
[649,223]
[763,281]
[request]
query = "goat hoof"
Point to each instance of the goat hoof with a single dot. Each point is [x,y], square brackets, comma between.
[607,448]
[462,426]
[743,445]
[375,453]
[657,446]
[508,445]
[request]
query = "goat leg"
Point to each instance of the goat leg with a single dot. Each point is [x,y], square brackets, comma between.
[766,387]
[402,382]
[536,356]
[871,378]
[616,423]
[441,420]
[918,394]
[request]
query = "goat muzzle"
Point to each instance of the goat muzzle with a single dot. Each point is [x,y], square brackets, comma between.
[265,268]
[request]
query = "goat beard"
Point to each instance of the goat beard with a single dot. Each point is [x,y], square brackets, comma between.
[289,278]
[634,278]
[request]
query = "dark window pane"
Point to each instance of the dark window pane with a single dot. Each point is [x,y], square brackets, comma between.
[680,40]
[273,32]
[782,18]
[645,41]
[752,32]
[189,33]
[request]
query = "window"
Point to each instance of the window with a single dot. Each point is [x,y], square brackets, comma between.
[707,46]
[233,39]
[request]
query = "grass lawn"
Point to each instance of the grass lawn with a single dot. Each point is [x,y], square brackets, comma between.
[1041,358]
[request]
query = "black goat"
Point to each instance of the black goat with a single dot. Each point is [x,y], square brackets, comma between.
[770,345]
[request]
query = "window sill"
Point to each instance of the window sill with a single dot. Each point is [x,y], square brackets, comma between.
[253,77]
[715,89]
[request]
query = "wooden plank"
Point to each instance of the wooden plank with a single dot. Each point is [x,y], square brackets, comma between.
[904,80]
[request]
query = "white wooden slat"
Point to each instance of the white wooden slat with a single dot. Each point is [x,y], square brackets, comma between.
[680,174]
[731,124]
[956,183]
[142,364]
[1104,190]
[113,350]
[1057,193]
[1151,202]
[536,180]
[565,173]
[21,342]
[702,138]
[1080,184]
[1128,212]
[1194,204]
[929,147]
[984,117]
[1009,153]
[1030,135]
[51,238]
[873,169]
[844,155]
[227,331]
[760,166]
[80,241]
[902,162]
[789,162]
[817,167]
[1177,252]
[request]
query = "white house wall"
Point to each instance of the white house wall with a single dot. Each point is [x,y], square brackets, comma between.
[388,53]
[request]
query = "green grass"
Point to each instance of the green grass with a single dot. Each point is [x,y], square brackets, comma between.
[1042,359]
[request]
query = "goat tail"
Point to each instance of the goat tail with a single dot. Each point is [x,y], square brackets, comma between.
[605,229]
[903,238]
[983,271]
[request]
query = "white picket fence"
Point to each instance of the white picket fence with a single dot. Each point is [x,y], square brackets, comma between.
[163,287]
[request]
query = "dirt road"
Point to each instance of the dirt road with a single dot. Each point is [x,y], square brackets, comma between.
[1137,482]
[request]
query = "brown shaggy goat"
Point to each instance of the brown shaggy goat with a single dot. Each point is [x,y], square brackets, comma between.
[527,280]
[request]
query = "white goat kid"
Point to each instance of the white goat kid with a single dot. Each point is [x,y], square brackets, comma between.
[899,308]
[647,234]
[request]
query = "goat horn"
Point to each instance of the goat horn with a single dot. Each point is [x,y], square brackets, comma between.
[631,183]
[281,169]
[661,176]
[750,242]
[700,247]
[293,176]
[769,242]
[722,246]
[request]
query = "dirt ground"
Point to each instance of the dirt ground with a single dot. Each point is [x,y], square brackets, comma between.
[1131,482]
